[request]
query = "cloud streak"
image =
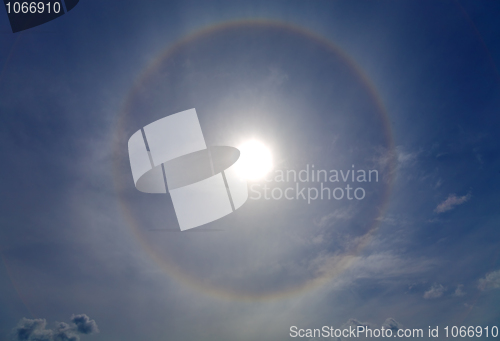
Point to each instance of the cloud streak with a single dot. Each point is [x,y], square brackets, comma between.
[451,202]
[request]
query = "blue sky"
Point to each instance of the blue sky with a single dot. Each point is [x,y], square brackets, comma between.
[410,89]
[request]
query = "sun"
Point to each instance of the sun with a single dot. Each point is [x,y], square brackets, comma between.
[255,160]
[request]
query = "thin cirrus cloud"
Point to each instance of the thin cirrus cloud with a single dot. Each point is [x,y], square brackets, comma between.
[35,329]
[451,202]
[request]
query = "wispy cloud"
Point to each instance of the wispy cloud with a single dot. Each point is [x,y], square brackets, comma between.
[276,77]
[459,291]
[390,161]
[490,281]
[355,323]
[451,202]
[399,155]
[435,291]
[387,265]
[392,324]
[330,218]
[406,158]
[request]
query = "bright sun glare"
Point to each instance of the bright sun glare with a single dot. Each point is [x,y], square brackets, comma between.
[255,160]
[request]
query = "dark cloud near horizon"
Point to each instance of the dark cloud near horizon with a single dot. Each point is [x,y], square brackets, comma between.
[35,329]
[27,329]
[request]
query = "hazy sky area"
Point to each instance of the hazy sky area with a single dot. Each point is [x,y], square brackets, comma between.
[408,89]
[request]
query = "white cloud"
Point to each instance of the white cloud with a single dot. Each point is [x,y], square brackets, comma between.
[459,290]
[390,220]
[435,291]
[276,77]
[438,183]
[405,158]
[451,202]
[392,324]
[491,281]
[390,161]
[330,218]
[399,155]
[383,267]
[354,323]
